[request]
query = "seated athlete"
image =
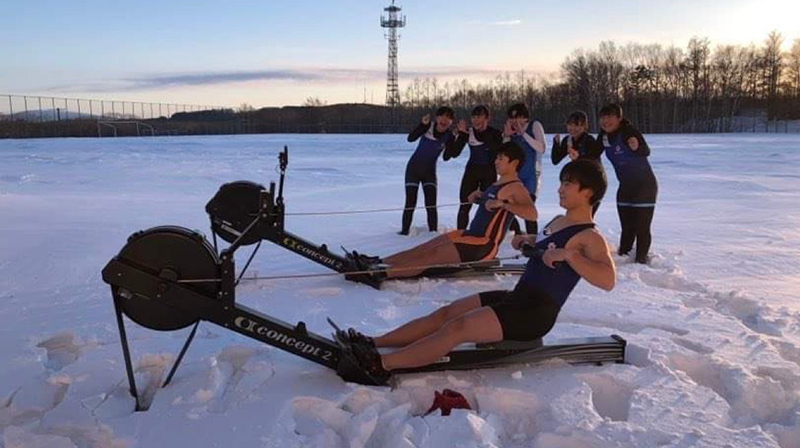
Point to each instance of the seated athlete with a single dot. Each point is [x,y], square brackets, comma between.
[572,249]
[498,205]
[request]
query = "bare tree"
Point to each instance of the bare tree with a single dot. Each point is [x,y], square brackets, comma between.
[313,101]
[772,65]
[793,70]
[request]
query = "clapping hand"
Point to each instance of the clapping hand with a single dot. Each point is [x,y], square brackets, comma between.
[571,151]
[508,128]
[462,126]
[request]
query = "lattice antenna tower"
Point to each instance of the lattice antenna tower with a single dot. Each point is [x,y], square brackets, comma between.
[392,22]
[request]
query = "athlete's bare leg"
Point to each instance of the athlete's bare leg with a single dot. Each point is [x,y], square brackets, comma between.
[426,325]
[416,261]
[477,325]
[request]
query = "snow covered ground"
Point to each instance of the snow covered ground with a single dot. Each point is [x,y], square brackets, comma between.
[712,323]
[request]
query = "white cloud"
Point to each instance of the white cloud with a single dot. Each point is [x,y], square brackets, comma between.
[506,23]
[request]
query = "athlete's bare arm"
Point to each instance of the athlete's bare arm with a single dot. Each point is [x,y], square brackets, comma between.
[520,203]
[516,199]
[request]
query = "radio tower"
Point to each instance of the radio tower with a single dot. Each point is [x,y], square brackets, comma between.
[392,22]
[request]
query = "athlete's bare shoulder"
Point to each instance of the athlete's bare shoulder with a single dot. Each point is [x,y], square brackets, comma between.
[516,190]
[594,245]
[556,224]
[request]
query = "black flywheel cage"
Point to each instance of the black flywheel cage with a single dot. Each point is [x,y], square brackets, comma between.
[175,254]
[233,208]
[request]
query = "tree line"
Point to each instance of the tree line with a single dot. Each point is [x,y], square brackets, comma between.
[699,88]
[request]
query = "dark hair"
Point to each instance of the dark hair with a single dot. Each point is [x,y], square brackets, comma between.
[577,117]
[518,110]
[480,110]
[588,174]
[513,152]
[611,109]
[446,111]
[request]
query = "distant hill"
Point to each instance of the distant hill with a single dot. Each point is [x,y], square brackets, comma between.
[49,115]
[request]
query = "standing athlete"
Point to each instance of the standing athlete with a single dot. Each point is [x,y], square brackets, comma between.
[627,150]
[479,173]
[433,138]
[529,135]
[578,144]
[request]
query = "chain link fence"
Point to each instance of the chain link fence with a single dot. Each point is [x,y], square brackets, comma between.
[24,116]
[43,109]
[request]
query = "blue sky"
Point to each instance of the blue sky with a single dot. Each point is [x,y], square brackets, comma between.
[282,52]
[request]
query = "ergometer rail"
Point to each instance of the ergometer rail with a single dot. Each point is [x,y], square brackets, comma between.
[153,282]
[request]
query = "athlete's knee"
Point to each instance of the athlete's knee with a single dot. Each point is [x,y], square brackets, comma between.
[443,314]
[451,311]
[456,328]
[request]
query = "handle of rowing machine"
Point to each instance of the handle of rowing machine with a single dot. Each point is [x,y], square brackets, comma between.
[535,252]
[283,161]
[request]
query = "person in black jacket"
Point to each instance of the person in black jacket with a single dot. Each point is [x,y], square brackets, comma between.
[578,144]
[479,172]
[433,138]
[627,150]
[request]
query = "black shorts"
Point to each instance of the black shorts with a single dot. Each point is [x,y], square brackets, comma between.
[416,174]
[474,252]
[524,314]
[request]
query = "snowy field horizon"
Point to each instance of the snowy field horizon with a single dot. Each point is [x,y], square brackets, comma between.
[713,355]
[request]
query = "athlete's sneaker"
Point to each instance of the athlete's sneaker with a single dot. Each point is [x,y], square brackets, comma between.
[353,336]
[369,260]
[369,359]
[373,279]
[362,262]
[356,337]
